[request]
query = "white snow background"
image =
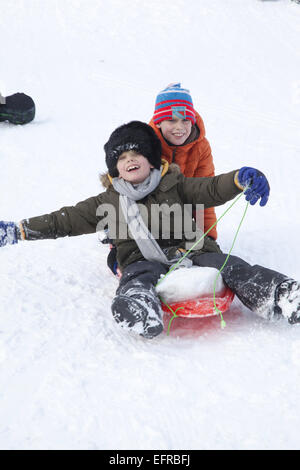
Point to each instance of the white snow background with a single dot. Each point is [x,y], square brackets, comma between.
[70,377]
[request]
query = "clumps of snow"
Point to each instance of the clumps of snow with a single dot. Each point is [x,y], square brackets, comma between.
[265,308]
[289,302]
[8,235]
[141,313]
[189,283]
[136,329]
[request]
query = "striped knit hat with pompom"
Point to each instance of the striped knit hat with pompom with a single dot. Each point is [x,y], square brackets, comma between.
[173,102]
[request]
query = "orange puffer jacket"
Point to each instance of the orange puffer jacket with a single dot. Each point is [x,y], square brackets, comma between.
[194,159]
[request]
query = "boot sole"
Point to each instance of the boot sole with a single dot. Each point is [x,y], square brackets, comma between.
[133,312]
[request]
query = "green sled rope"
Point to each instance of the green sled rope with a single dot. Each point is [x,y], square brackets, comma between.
[223,324]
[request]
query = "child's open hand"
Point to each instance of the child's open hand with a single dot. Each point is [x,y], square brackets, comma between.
[8,233]
[258,185]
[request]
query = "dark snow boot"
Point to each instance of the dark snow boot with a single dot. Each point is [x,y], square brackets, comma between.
[17,109]
[139,312]
[287,300]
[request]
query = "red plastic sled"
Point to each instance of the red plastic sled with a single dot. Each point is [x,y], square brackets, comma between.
[202,306]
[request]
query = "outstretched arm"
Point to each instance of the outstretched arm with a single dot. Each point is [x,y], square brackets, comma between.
[67,221]
[212,191]
[220,189]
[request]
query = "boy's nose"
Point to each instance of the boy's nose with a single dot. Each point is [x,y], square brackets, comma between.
[129,161]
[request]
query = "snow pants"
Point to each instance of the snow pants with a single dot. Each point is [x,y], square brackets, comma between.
[254,285]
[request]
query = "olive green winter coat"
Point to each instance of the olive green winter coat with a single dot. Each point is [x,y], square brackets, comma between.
[98,212]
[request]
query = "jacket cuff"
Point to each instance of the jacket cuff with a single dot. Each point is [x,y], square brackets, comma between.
[20,232]
[236,181]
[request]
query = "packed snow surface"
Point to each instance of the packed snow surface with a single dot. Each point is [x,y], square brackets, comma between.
[70,377]
[189,283]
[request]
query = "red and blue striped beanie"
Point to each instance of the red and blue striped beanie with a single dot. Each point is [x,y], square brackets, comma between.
[173,102]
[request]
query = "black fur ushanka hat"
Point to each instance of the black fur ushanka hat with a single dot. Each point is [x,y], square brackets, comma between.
[136,136]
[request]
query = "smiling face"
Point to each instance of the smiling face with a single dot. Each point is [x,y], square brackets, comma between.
[133,167]
[176,131]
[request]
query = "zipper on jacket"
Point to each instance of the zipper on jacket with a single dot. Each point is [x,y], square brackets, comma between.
[173,155]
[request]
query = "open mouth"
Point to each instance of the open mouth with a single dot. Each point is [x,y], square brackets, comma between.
[132,168]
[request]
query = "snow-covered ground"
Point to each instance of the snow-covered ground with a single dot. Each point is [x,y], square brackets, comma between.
[70,378]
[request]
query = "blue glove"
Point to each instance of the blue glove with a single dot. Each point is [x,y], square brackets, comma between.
[8,233]
[258,185]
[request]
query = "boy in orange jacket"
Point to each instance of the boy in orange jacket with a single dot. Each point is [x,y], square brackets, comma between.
[182,134]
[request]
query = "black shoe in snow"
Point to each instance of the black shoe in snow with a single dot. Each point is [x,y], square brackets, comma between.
[17,109]
[134,316]
[287,300]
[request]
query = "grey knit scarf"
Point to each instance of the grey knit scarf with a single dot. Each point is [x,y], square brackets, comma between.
[129,194]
